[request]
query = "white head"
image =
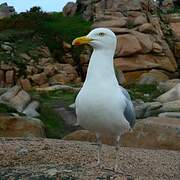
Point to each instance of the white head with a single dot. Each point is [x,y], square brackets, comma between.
[99,38]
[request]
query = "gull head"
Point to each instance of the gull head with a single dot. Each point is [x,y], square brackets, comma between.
[99,38]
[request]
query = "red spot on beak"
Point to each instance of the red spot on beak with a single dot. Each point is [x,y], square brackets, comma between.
[77,43]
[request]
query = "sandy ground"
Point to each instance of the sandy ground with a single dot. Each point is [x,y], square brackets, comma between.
[39,159]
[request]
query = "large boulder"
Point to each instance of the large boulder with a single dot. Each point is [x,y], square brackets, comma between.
[144,62]
[131,77]
[141,46]
[6,11]
[176,29]
[26,84]
[127,5]
[127,45]
[20,100]
[148,109]
[6,47]
[50,70]
[66,73]
[144,40]
[31,109]
[168,53]
[68,68]
[171,95]
[170,115]
[70,9]
[10,77]
[115,22]
[16,126]
[167,85]
[152,133]
[172,106]
[91,9]
[139,20]
[157,48]
[147,28]
[177,49]
[156,133]
[10,93]
[58,79]
[85,135]
[39,79]
[153,77]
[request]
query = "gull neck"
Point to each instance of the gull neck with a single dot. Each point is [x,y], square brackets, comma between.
[101,67]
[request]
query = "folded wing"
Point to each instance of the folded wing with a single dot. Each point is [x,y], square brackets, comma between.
[129,111]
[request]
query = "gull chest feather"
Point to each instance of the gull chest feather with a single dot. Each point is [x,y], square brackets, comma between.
[100,109]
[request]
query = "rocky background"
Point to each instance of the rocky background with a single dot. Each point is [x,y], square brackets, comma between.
[6,11]
[41,74]
[143,53]
[147,50]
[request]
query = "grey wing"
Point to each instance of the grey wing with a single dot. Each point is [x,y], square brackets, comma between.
[129,112]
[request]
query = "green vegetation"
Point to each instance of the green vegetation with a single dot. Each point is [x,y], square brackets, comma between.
[49,23]
[176,9]
[6,109]
[169,36]
[55,127]
[49,101]
[167,31]
[67,27]
[130,24]
[34,28]
[26,32]
[145,92]
[22,42]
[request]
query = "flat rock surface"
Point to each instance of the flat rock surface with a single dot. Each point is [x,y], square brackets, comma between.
[56,159]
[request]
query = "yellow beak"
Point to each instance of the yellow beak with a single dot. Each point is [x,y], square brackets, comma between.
[81,40]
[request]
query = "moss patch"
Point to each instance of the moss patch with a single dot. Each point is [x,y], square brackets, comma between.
[145,92]
[55,127]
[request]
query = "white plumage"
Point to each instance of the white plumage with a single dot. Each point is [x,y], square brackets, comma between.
[102,105]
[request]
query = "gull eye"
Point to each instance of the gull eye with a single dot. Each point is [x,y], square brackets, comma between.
[101,34]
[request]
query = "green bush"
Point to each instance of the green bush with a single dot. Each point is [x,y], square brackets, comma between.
[67,27]
[49,23]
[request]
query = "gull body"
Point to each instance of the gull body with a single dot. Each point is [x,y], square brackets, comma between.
[102,106]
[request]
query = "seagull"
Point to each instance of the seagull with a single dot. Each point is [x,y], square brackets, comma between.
[102,105]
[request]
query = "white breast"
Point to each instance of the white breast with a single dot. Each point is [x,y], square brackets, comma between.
[100,109]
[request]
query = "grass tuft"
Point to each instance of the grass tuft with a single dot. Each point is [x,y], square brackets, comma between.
[6,109]
[147,93]
[55,127]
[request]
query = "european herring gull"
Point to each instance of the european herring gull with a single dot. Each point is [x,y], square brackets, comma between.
[102,105]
